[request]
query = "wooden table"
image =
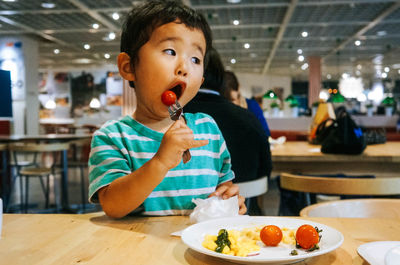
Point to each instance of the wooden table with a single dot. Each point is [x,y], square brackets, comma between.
[47,138]
[97,239]
[302,157]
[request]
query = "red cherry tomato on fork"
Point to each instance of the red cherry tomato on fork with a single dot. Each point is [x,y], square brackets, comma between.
[168,97]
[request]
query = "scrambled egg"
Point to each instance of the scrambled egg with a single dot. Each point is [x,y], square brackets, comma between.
[244,242]
[241,243]
[288,236]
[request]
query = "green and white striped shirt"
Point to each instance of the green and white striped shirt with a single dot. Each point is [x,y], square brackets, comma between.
[120,147]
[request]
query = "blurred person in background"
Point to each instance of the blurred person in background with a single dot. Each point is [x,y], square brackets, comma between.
[232,93]
[245,138]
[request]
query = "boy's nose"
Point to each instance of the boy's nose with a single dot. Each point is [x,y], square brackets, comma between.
[181,69]
[181,72]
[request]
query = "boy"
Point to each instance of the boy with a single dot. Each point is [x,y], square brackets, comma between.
[138,160]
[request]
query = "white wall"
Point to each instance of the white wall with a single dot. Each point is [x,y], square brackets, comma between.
[265,82]
[30,49]
[24,77]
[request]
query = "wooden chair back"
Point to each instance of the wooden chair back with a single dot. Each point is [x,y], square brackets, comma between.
[3,147]
[355,208]
[340,186]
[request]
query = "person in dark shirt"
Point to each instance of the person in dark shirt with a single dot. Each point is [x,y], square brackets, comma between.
[232,93]
[246,140]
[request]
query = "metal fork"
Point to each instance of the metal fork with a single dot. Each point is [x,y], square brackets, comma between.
[175,113]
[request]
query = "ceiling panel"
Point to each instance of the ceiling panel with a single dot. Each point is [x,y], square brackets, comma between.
[332,26]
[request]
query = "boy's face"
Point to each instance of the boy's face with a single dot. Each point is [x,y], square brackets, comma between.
[172,59]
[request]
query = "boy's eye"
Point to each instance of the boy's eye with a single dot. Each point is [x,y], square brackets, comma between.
[196,60]
[170,52]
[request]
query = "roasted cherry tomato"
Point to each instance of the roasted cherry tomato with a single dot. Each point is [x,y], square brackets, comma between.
[168,97]
[307,236]
[271,235]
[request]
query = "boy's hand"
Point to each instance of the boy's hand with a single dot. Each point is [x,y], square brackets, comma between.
[227,190]
[176,140]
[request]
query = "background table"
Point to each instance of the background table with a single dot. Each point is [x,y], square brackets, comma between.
[97,239]
[47,138]
[302,157]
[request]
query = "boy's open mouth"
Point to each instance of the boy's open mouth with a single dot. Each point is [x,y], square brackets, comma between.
[178,89]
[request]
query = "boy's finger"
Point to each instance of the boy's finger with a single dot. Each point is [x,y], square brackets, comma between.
[219,191]
[242,209]
[198,143]
[178,124]
[183,131]
[232,191]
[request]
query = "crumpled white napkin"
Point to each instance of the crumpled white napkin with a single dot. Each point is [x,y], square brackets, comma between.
[214,207]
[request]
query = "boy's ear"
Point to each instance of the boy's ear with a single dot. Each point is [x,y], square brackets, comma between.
[124,67]
[202,80]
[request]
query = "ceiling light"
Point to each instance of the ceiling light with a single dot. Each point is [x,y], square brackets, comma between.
[236,22]
[233,1]
[304,66]
[9,0]
[107,55]
[357,43]
[95,103]
[299,51]
[398,71]
[381,33]
[82,61]
[50,104]
[48,5]
[246,45]
[95,26]
[115,16]
[233,61]
[86,46]
[56,51]
[384,75]
[386,69]
[111,35]
[358,72]
[301,58]
[345,75]
[328,76]
[359,66]
[304,34]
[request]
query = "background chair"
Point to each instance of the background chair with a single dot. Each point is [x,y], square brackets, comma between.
[42,169]
[339,186]
[251,190]
[355,208]
[3,171]
[79,160]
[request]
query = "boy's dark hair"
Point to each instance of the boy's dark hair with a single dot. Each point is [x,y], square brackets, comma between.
[214,72]
[143,19]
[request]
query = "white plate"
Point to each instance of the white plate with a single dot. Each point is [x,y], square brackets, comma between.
[194,235]
[393,256]
[375,252]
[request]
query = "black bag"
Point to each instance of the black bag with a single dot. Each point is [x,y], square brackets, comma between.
[375,136]
[341,136]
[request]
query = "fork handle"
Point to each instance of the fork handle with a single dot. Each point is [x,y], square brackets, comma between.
[186,156]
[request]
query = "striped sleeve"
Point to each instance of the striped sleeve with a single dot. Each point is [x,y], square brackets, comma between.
[226,173]
[107,162]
